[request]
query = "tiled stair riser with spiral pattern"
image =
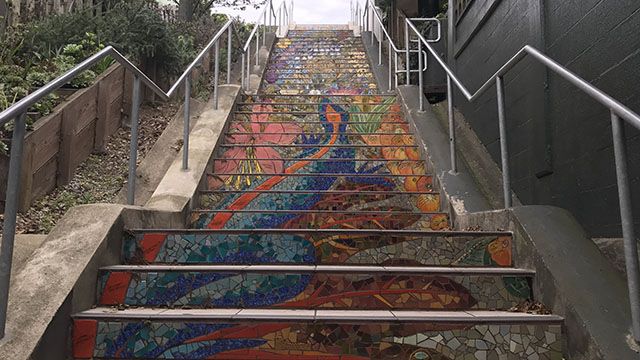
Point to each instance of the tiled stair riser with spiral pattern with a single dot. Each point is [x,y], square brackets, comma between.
[320,234]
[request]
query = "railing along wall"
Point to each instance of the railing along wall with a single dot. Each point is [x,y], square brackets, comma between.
[619,114]
[18,113]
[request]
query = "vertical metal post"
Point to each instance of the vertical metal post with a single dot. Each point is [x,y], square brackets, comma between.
[133,149]
[264,35]
[420,78]
[391,70]
[249,66]
[242,76]
[270,11]
[10,216]
[257,47]
[407,44]
[379,49]
[187,121]
[280,21]
[229,50]
[370,23]
[216,76]
[504,149]
[452,125]
[626,215]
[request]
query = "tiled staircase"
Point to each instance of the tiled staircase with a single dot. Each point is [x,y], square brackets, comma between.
[321,235]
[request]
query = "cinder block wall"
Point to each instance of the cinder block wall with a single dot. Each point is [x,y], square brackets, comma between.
[560,140]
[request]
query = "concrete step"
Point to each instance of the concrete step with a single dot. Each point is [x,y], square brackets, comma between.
[314,99]
[236,179]
[343,287]
[259,334]
[313,127]
[289,59]
[222,194]
[319,91]
[319,247]
[261,215]
[345,66]
[319,53]
[271,78]
[311,106]
[269,150]
[347,79]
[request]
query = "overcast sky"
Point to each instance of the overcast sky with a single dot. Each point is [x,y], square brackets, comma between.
[306,11]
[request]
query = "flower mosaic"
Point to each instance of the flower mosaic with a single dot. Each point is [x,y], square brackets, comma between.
[305,173]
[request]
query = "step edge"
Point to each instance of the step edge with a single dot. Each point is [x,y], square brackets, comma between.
[334,269]
[327,231]
[471,317]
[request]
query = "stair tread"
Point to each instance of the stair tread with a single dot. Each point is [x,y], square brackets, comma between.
[449,233]
[471,316]
[352,269]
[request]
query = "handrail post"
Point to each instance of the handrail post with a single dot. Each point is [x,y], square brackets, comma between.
[248,67]
[187,122]
[390,67]
[420,77]
[407,44]
[10,216]
[504,149]
[264,34]
[242,75]
[257,47]
[229,50]
[395,67]
[133,147]
[452,126]
[216,76]
[379,50]
[626,215]
[371,23]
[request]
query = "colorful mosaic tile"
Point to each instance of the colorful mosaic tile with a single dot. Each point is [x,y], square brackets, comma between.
[310,291]
[317,249]
[317,149]
[325,341]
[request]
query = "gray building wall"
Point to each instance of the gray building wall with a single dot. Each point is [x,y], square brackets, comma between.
[559,139]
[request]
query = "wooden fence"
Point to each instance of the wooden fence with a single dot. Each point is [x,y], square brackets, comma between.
[62,140]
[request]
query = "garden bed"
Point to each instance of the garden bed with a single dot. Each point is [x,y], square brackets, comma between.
[101,176]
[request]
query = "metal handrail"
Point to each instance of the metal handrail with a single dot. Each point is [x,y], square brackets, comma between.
[266,19]
[394,51]
[18,112]
[618,112]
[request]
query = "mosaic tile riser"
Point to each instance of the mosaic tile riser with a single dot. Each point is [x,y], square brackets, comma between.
[320,341]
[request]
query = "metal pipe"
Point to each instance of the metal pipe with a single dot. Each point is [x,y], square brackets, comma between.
[264,37]
[391,69]
[407,45]
[452,126]
[229,50]
[187,122]
[379,49]
[216,77]
[626,215]
[10,216]
[249,68]
[133,147]
[504,149]
[370,23]
[258,49]
[420,77]
[242,75]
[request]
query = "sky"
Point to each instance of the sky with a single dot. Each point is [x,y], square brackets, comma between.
[305,11]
